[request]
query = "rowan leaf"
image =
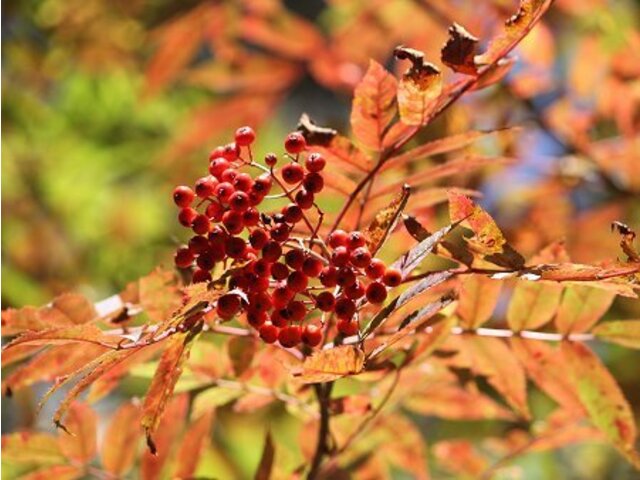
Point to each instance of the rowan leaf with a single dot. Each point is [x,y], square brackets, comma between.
[59,472]
[492,358]
[544,365]
[241,352]
[120,444]
[575,272]
[78,442]
[515,29]
[167,374]
[408,262]
[374,106]
[159,295]
[192,446]
[627,236]
[477,299]
[64,335]
[459,51]
[212,398]
[331,364]
[419,89]
[581,307]
[460,457]
[622,332]
[488,238]
[385,221]
[533,304]
[266,460]
[340,151]
[32,448]
[602,398]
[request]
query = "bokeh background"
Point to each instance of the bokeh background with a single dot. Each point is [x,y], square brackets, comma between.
[108,104]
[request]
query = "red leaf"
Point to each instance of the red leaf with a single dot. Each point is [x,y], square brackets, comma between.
[120,444]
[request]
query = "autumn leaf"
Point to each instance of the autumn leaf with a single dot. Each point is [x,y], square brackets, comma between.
[26,447]
[374,106]
[622,332]
[78,442]
[266,460]
[602,398]
[314,134]
[341,152]
[477,299]
[408,262]
[533,304]
[88,333]
[159,295]
[241,352]
[492,358]
[330,364]
[167,374]
[581,307]
[119,447]
[627,237]
[384,222]
[192,446]
[459,51]
[419,89]
[460,457]
[575,272]
[488,238]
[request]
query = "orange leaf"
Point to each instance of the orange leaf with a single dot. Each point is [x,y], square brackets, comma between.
[477,299]
[533,304]
[492,358]
[488,237]
[602,398]
[374,106]
[622,332]
[192,446]
[78,442]
[333,363]
[460,457]
[385,220]
[341,151]
[59,472]
[159,295]
[545,367]
[581,307]
[420,88]
[459,51]
[65,335]
[120,444]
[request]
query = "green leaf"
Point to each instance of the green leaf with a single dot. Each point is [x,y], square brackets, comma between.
[622,332]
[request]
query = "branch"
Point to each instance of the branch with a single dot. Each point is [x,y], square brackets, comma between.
[323,394]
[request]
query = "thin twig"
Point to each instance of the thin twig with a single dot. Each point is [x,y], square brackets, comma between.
[323,394]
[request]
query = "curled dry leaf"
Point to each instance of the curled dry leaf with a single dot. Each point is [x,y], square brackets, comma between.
[626,242]
[460,50]
[331,364]
[385,221]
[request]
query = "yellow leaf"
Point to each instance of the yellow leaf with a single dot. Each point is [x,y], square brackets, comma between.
[533,304]
[478,297]
[328,365]
[581,307]
[622,332]
[488,237]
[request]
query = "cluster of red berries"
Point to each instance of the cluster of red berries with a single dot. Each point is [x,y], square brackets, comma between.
[275,278]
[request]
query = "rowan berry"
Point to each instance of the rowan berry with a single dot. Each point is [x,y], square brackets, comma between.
[184,257]
[245,136]
[243,182]
[345,308]
[292,173]
[231,151]
[271,159]
[297,310]
[295,143]
[329,276]
[251,217]
[313,182]
[315,162]
[356,239]
[218,166]
[281,296]
[201,276]
[375,269]
[255,198]
[216,153]
[186,216]
[345,277]
[354,291]
[290,336]
[238,282]
[268,332]
[376,293]
[294,259]
[292,213]
[297,281]
[228,305]
[348,328]
[312,335]
[392,277]
[280,233]
[260,301]
[312,267]
[258,238]
[271,251]
[198,244]
[201,224]
[230,175]
[262,185]
[360,257]
[233,222]
[340,256]
[214,211]
[239,201]
[223,191]
[206,260]
[235,247]
[183,196]
[277,319]
[338,238]
[325,301]
[279,271]
[205,186]
[256,317]
[304,199]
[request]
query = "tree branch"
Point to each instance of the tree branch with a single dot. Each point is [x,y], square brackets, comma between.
[323,394]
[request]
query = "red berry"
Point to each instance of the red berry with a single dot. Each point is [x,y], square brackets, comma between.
[376,292]
[201,224]
[304,199]
[206,260]
[258,283]
[340,256]
[290,336]
[297,281]
[235,247]
[271,251]
[313,182]
[360,257]
[312,335]
[251,217]
[315,162]
[258,238]
[230,175]
[277,319]
[216,153]
[218,166]
[292,173]
[223,191]
[312,267]
[238,281]
[329,276]
[262,184]
[325,301]
[233,221]
[184,257]
[268,332]
[255,198]
[294,259]
[245,136]
[243,182]
[345,308]
[280,233]
[201,276]
[348,328]
[256,318]
[338,238]
[375,269]
[346,277]
[279,271]
[183,196]
[186,216]
[271,159]
[281,296]
[231,151]
[214,211]
[297,310]
[356,239]
[260,301]
[239,201]
[198,244]
[205,186]
[392,277]
[295,143]
[228,305]
[292,213]
[354,291]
